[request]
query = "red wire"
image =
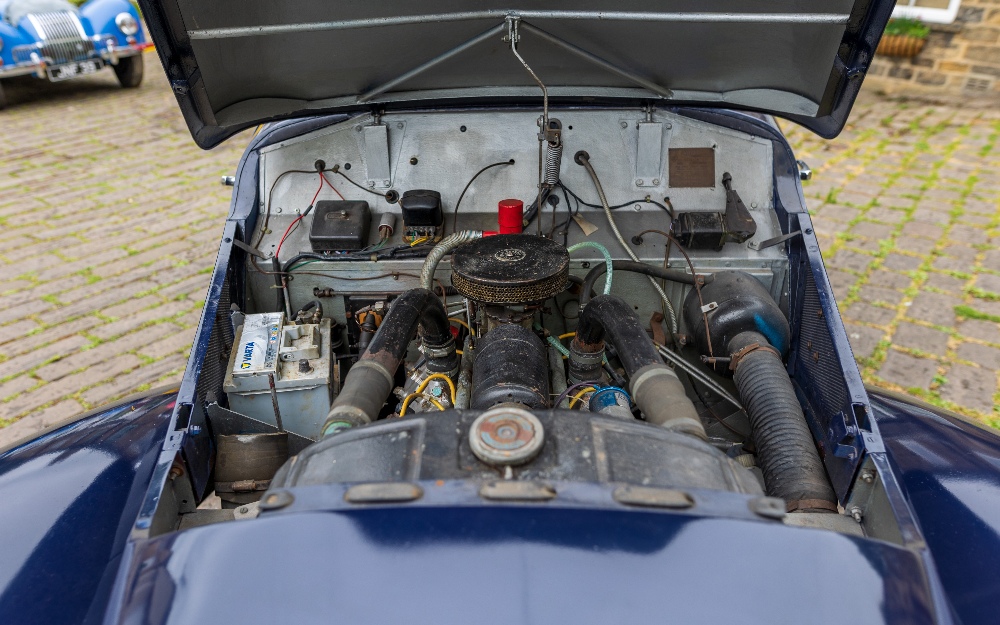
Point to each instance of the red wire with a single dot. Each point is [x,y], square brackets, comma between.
[323,175]
[299,218]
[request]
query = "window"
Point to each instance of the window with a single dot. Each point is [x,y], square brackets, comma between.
[931,11]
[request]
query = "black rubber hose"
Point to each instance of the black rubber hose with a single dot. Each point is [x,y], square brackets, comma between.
[371,379]
[412,308]
[609,316]
[654,386]
[634,267]
[786,452]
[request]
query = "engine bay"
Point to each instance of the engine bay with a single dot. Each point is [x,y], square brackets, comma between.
[594,295]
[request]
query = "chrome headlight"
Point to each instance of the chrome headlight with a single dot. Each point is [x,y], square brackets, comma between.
[127,24]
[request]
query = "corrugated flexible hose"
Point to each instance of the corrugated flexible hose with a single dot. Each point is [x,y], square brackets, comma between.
[786,452]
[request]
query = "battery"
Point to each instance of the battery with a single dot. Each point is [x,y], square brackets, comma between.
[298,357]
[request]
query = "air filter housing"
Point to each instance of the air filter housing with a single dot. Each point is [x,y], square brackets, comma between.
[510,269]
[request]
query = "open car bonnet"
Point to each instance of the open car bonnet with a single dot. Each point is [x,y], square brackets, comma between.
[233,65]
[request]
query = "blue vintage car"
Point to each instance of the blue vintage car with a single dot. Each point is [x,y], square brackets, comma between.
[55,40]
[518,316]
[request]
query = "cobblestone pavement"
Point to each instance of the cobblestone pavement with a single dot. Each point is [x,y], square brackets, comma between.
[109,220]
[906,203]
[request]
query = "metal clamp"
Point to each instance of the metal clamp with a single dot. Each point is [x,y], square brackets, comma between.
[749,349]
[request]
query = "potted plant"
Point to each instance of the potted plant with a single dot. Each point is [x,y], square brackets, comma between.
[903,37]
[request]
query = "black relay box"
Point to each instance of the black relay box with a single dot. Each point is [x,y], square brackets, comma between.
[340,225]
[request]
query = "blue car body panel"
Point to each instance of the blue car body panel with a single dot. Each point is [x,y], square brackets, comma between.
[950,471]
[68,500]
[518,565]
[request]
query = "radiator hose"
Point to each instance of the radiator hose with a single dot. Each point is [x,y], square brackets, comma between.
[654,386]
[371,379]
[743,324]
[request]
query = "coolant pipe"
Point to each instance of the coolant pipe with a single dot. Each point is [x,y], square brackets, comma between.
[608,263]
[440,250]
[371,379]
[630,266]
[654,386]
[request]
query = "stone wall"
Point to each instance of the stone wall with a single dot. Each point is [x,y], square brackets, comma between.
[959,61]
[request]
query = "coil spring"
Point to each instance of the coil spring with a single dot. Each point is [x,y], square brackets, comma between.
[553,162]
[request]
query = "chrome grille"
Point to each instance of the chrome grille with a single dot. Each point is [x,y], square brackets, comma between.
[63,37]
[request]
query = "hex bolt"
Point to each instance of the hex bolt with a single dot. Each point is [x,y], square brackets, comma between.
[856,513]
[868,476]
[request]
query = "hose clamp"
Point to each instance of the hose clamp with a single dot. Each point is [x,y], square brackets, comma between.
[749,349]
[438,351]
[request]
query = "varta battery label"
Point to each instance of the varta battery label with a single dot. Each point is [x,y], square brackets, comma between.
[258,350]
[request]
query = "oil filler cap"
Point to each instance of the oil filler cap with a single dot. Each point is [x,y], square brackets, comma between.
[506,436]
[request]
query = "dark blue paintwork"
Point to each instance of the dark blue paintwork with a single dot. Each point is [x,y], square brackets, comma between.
[950,472]
[532,564]
[68,500]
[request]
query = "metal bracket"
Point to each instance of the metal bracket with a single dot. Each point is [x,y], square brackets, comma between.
[649,152]
[249,249]
[377,156]
[763,245]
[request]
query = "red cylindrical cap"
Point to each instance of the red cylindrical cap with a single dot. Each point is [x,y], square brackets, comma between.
[510,216]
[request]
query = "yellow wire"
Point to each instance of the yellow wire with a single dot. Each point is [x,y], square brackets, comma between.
[409,398]
[418,241]
[438,376]
[567,335]
[463,324]
[459,352]
[579,396]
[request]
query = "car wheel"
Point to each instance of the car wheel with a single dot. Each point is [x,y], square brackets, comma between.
[129,71]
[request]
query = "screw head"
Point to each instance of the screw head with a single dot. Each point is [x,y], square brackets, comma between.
[399,125]
[656,181]
[624,124]
[639,182]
